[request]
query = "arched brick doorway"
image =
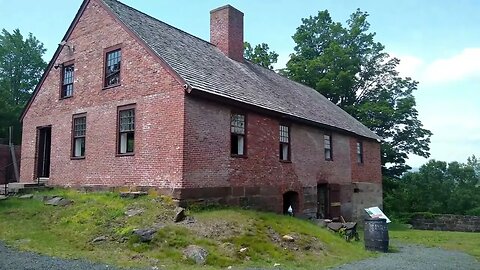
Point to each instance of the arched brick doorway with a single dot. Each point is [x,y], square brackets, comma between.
[290,198]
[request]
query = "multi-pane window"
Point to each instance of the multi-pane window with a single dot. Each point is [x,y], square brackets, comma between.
[284,142]
[112,67]
[237,131]
[67,81]
[327,143]
[79,132]
[126,130]
[359,152]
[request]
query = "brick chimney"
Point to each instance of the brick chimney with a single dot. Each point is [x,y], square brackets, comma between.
[226,31]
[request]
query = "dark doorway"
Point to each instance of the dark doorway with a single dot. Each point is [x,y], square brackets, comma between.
[290,200]
[334,204]
[328,201]
[44,142]
[322,201]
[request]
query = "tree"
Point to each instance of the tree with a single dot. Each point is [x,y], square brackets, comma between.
[260,55]
[346,65]
[21,66]
[438,188]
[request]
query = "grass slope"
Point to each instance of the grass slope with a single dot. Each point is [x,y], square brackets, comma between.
[68,232]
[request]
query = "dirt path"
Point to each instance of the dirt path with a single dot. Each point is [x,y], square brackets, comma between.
[11,259]
[406,258]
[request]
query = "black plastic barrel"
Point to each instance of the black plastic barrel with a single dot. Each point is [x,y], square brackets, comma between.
[376,234]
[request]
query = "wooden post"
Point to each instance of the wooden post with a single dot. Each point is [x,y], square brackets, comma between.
[14,156]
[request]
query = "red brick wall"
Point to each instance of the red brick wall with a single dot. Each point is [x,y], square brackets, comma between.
[208,162]
[158,158]
[370,169]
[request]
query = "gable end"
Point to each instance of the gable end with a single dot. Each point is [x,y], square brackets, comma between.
[66,37]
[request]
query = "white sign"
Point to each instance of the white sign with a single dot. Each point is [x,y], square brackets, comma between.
[375,212]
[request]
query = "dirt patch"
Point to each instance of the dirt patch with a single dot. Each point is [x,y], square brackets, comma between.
[300,242]
[215,229]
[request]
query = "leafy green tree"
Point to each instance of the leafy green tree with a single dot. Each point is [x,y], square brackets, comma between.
[346,65]
[437,187]
[21,66]
[260,55]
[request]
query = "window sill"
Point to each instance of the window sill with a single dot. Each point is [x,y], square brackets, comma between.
[63,98]
[111,86]
[285,161]
[330,159]
[125,155]
[77,158]
[238,156]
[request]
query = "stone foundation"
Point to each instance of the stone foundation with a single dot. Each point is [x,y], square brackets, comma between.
[446,222]
[365,195]
[353,197]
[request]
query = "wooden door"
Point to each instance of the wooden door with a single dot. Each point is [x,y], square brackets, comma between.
[44,141]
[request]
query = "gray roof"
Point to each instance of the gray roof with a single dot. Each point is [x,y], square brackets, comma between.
[205,68]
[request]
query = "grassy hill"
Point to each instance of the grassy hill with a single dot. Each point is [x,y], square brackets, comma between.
[232,237]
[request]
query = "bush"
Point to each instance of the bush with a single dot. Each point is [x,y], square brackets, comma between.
[474,212]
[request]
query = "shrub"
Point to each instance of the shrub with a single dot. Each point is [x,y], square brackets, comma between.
[474,212]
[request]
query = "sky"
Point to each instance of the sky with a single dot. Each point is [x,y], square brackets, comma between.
[438,43]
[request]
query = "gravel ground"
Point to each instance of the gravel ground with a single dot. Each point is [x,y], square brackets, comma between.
[17,260]
[407,257]
[410,257]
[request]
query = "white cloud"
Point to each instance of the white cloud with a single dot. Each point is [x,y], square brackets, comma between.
[456,131]
[282,60]
[409,65]
[464,65]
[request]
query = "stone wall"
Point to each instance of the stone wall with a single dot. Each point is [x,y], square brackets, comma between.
[365,195]
[446,222]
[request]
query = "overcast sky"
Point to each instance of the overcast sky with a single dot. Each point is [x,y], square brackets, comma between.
[437,41]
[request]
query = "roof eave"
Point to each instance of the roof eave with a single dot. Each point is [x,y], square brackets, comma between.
[227,100]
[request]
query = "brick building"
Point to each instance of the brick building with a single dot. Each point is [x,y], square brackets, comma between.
[129,101]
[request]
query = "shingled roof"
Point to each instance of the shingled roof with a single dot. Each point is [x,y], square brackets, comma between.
[205,68]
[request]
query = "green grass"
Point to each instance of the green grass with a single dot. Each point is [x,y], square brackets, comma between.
[68,232]
[460,241]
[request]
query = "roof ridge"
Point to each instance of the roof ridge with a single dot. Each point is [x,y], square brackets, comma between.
[155,19]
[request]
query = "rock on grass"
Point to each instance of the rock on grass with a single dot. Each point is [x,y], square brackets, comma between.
[196,253]
[145,235]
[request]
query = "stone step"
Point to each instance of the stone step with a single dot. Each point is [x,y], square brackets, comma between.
[25,187]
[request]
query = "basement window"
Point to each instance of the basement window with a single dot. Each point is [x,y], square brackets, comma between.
[79,131]
[67,81]
[113,60]
[126,129]
[327,143]
[359,152]
[284,143]
[237,132]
